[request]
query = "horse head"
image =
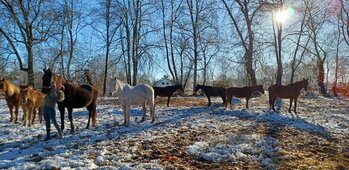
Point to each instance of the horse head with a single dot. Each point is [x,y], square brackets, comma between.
[197,87]
[261,89]
[47,80]
[181,88]
[25,93]
[305,84]
[115,86]
[3,86]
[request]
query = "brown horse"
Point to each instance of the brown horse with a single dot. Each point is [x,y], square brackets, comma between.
[290,91]
[167,91]
[31,100]
[75,97]
[212,91]
[240,92]
[12,97]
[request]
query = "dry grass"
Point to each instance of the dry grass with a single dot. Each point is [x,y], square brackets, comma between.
[300,149]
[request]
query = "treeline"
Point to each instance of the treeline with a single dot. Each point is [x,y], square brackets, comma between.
[215,42]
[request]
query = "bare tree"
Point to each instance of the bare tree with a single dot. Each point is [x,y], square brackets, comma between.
[315,24]
[32,22]
[296,62]
[277,30]
[136,26]
[168,34]
[344,18]
[249,10]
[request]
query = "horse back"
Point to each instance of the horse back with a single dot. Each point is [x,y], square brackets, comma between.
[13,96]
[215,91]
[79,96]
[238,92]
[283,91]
[164,91]
[39,98]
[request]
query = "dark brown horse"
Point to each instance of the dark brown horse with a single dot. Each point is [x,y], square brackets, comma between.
[212,91]
[290,91]
[241,92]
[75,97]
[167,91]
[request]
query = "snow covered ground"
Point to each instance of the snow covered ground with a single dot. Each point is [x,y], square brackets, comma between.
[188,134]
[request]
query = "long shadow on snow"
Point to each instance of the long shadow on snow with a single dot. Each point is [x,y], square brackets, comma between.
[16,152]
[275,120]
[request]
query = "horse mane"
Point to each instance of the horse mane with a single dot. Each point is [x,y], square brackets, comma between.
[11,87]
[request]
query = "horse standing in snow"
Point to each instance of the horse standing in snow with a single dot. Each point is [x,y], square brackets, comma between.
[75,97]
[133,95]
[290,91]
[12,97]
[167,91]
[31,100]
[212,91]
[240,92]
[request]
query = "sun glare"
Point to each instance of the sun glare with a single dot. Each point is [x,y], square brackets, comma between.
[282,15]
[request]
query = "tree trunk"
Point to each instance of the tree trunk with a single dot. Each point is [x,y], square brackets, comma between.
[321,77]
[107,19]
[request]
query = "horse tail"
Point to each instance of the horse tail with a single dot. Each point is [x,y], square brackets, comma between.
[94,113]
[152,103]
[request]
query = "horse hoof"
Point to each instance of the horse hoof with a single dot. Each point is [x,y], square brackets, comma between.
[72,132]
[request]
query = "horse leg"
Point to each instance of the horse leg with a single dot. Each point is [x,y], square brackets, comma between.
[247,98]
[70,115]
[209,100]
[124,110]
[16,113]
[94,115]
[33,116]
[289,109]
[127,115]
[89,117]
[152,111]
[273,103]
[144,111]
[91,114]
[168,100]
[62,111]
[40,113]
[226,102]
[30,117]
[295,105]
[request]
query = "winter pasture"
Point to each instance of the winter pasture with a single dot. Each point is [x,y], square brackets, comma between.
[188,135]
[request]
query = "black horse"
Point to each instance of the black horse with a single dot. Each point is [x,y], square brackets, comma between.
[75,97]
[167,91]
[212,91]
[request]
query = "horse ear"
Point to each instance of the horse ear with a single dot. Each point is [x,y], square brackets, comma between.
[62,87]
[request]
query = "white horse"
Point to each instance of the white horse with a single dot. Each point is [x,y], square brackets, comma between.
[134,95]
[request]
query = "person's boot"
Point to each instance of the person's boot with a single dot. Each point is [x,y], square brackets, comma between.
[48,136]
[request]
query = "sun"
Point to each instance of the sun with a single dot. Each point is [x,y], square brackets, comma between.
[283,15]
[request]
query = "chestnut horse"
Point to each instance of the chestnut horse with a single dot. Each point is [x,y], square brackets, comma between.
[246,91]
[12,97]
[31,100]
[75,97]
[212,91]
[290,91]
[167,91]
